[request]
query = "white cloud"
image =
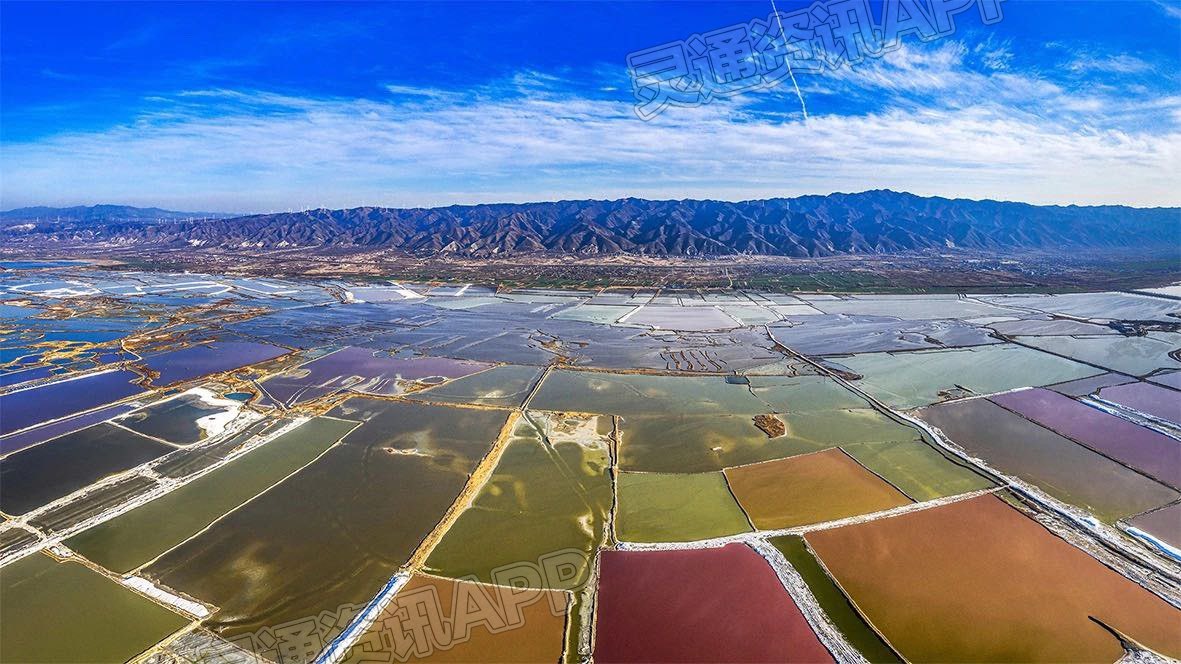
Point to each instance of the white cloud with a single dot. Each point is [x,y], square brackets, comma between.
[907,69]
[1117,64]
[1169,7]
[997,135]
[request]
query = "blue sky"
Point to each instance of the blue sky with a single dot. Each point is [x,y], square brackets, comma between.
[258,107]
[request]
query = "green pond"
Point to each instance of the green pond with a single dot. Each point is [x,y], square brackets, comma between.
[697,443]
[916,378]
[917,469]
[551,491]
[636,394]
[660,507]
[135,537]
[838,607]
[506,386]
[337,530]
[794,394]
[64,612]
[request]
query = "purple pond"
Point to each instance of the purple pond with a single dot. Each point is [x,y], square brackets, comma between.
[19,441]
[175,366]
[1146,398]
[25,408]
[1151,453]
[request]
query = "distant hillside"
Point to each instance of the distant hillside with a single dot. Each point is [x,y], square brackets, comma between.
[869,222]
[98,214]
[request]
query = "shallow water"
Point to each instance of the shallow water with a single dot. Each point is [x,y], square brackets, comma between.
[981,562]
[633,394]
[38,475]
[63,612]
[1122,306]
[1137,356]
[840,334]
[552,495]
[175,420]
[930,307]
[660,507]
[836,606]
[505,386]
[1064,469]
[911,380]
[135,537]
[216,357]
[370,500]
[359,370]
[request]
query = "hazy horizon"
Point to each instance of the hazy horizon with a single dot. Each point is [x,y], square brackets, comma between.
[232,213]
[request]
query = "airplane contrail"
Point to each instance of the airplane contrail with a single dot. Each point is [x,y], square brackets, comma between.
[787,61]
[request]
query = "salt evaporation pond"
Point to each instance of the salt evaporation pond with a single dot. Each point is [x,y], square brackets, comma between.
[63,612]
[30,437]
[1147,398]
[919,378]
[705,605]
[509,626]
[505,386]
[360,370]
[1063,468]
[43,473]
[1146,450]
[25,408]
[216,357]
[370,500]
[136,537]
[807,489]
[676,507]
[930,579]
[551,493]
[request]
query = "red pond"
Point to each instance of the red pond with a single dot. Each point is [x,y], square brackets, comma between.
[700,605]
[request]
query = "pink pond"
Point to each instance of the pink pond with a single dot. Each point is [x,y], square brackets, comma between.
[698,605]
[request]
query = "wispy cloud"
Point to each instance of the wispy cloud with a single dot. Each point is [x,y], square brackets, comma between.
[965,131]
[57,75]
[1119,64]
[1171,8]
[415,91]
[995,55]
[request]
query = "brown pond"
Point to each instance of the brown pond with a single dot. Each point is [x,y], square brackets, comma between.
[979,581]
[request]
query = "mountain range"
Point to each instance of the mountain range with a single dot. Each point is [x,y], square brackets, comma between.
[99,214]
[871,222]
